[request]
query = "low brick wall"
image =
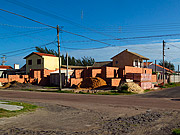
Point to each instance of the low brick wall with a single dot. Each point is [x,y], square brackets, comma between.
[115,82]
[75,81]
[78,73]
[129,69]
[146,85]
[3,80]
[139,77]
[154,78]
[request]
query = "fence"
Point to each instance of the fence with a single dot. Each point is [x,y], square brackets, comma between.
[174,78]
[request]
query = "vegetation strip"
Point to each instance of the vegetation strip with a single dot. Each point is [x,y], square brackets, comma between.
[26,108]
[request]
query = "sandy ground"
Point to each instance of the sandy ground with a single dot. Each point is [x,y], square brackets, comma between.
[91,114]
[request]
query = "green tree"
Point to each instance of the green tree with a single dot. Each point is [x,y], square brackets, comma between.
[84,61]
[167,64]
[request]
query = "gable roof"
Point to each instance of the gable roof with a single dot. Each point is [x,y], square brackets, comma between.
[40,54]
[164,68]
[5,67]
[102,63]
[138,55]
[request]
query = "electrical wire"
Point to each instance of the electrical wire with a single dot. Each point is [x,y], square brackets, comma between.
[55,27]
[26,48]
[54,16]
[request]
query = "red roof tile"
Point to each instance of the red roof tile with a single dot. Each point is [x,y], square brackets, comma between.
[40,54]
[165,68]
[6,67]
[148,63]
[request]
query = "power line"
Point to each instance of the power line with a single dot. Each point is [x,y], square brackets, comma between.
[54,16]
[27,48]
[173,45]
[27,18]
[26,27]
[55,27]
[24,33]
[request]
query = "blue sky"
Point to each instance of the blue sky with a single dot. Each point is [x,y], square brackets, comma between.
[103,20]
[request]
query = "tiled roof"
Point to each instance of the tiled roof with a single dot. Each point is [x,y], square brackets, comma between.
[40,54]
[148,63]
[138,55]
[5,67]
[164,68]
[102,63]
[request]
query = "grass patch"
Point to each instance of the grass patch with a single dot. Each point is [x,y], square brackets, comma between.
[147,90]
[27,108]
[170,85]
[50,87]
[176,132]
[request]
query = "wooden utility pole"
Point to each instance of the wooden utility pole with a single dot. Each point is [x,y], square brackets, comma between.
[155,67]
[163,64]
[60,79]
[67,69]
[178,69]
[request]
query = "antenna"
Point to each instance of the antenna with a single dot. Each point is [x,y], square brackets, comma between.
[3,60]
[82,14]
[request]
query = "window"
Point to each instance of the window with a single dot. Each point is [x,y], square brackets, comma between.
[38,61]
[116,62]
[29,62]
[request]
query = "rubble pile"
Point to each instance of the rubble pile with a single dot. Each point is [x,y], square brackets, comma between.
[131,87]
[92,83]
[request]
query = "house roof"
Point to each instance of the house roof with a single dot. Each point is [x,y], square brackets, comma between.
[75,67]
[165,68]
[138,55]
[102,63]
[40,54]
[5,67]
[148,63]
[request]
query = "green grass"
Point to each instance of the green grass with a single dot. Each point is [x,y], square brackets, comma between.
[27,108]
[176,132]
[170,85]
[50,87]
[113,92]
[147,90]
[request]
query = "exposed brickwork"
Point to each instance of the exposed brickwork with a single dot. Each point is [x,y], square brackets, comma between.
[75,81]
[139,77]
[96,72]
[78,73]
[3,80]
[115,82]
[129,69]
[154,78]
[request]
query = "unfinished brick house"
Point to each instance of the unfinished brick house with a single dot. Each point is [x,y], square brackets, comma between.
[125,65]
[127,58]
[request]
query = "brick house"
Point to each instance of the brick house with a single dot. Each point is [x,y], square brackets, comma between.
[125,65]
[37,60]
[127,58]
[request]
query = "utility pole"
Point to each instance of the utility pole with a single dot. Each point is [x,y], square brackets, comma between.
[178,69]
[67,69]
[60,79]
[163,64]
[155,67]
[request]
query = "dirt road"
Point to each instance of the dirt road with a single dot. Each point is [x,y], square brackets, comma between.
[91,114]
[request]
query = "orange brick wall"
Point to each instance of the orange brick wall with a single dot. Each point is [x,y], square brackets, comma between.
[75,81]
[115,82]
[96,72]
[3,80]
[78,73]
[112,72]
[129,69]
[154,78]
[18,78]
